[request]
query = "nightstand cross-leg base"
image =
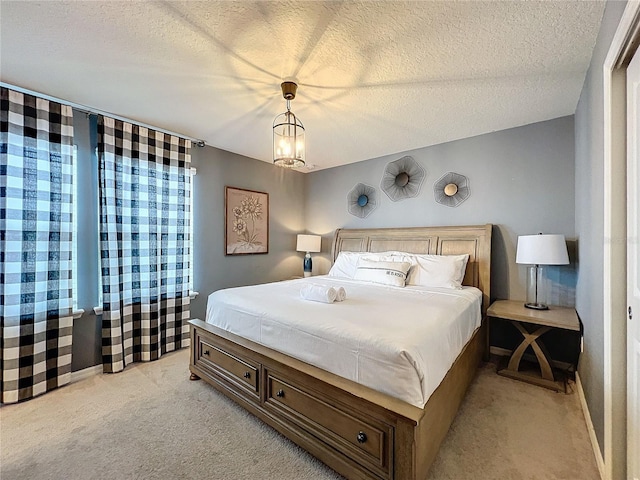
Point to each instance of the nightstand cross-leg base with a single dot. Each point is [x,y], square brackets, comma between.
[532,339]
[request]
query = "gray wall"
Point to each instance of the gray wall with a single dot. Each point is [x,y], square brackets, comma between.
[589,203]
[213,270]
[522,180]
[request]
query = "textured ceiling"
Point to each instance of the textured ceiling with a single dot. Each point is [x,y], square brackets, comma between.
[375,78]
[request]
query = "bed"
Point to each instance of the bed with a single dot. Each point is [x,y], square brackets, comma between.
[353,425]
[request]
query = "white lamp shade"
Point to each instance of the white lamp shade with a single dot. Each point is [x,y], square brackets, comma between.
[542,250]
[308,243]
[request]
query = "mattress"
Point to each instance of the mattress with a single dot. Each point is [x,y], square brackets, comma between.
[399,341]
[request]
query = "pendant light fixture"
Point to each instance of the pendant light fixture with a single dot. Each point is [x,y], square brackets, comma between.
[288,133]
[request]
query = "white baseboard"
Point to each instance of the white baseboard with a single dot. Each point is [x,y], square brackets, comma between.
[86,373]
[590,429]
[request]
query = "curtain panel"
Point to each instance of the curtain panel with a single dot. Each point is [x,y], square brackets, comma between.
[145,190]
[36,154]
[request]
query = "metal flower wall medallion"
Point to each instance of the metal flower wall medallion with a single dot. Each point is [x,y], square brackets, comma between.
[361,200]
[402,178]
[451,189]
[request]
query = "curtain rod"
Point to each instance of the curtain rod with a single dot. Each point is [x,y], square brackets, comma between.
[95,111]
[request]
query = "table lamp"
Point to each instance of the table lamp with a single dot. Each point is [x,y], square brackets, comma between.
[308,243]
[537,250]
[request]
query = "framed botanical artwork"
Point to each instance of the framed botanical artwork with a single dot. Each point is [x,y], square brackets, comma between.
[246,229]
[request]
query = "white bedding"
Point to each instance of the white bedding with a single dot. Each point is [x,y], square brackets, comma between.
[399,341]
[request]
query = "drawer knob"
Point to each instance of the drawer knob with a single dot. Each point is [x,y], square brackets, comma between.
[247,375]
[362,437]
[280,393]
[206,352]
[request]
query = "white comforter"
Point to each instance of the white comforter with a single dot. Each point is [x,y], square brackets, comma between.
[399,341]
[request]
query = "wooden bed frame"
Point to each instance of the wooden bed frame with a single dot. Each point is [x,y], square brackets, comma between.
[357,431]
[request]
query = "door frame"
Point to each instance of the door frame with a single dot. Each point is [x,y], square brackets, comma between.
[620,53]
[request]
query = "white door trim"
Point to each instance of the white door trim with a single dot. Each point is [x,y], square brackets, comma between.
[633,257]
[614,266]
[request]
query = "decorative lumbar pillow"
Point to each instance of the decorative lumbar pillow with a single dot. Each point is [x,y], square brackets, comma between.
[386,273]
[438,270]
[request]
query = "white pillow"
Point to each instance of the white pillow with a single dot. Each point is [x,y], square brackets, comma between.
[386,273]
[347,262]
[345,265]
[438,270]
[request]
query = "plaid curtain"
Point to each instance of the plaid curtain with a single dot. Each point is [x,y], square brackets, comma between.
[36,151]
[145,187]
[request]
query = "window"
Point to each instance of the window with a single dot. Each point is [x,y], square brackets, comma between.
[74,231]
[192,293]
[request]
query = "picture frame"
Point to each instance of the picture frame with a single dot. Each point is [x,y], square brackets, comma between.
[246,221]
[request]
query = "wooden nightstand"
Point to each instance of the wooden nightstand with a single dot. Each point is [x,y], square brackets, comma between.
[540,322]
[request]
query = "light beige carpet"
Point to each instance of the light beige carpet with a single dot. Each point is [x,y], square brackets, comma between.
[144,424]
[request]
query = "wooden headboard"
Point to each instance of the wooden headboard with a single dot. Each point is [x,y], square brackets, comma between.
[474,240]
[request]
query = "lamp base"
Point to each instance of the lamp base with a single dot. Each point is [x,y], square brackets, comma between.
[536,297]
[307,265]
[537,306]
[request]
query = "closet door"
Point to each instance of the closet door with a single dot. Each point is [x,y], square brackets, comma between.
[633,268]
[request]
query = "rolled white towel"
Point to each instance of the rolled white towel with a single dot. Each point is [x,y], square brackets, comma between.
[341,293]
[319,293]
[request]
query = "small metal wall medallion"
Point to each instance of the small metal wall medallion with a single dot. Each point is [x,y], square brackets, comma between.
[451,189]
[402,178]
[362,200]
